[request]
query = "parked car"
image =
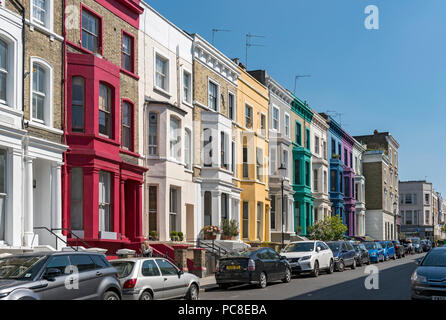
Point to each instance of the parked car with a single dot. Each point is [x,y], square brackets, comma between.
[252,266]
[344,254]
[309,256]
[389,250]
[376,252]
[362,254]
[399,249]
[408,246]
[426,245]
[417,245]
[427,281]
[58,276]
[155,278]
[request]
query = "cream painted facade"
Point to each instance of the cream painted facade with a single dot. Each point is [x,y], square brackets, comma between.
[359,191]
[320,171]
[166,87]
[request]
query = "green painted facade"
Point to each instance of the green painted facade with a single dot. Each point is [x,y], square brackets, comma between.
[303,198]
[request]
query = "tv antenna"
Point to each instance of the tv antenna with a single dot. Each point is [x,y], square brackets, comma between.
[336,114]
[214,31]
[297,77]
[249,44]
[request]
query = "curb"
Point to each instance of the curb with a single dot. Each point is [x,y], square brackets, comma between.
[208,287]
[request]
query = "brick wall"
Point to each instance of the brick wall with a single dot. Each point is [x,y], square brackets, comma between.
[373,173]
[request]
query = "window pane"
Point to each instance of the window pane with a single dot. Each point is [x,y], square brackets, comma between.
[175,140]
[127,53]
[83,262]
[38,106]
[149,269]
[167,269]
[2,171]
[77,104]
[187,87]
[90,32]
[39,10]
[77,195]
[161,73]
[3,55]
[153,133]
[2,85]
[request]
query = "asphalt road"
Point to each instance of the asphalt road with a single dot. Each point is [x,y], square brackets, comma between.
[394,284]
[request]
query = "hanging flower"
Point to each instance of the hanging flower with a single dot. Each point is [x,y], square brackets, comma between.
[211,230]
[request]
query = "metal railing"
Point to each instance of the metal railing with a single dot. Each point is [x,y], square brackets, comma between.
[51,231]
[213,247]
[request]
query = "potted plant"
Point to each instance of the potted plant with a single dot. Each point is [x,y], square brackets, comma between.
[210,232]
[180,236]
[153,235]
[174,236]
[230,229]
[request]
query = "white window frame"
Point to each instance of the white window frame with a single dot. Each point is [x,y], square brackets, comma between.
[6,71]
[157,135]
[49,23]
[214,82]
[106,203]
[317,144]
[234,109]
[48,111]
[278,119]
[263,131]
[188,152]
[177,148]
[167,75]
[189,89]
[252,116]
[287,124]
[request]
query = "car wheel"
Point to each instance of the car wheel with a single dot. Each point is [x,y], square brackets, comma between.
[316,269]
[359,262]
[111,295]
[331,267]
[146,296]
[287,276]
[341,266]
[192,294]
[354,264]
[262,280]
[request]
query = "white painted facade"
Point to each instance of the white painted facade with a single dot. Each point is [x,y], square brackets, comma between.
[165,56]
[358,150]
[320,168]
[30,167]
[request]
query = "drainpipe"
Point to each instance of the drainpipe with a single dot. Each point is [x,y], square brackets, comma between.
[64,120]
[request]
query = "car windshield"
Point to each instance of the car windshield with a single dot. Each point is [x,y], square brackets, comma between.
[300,247]
[435,259]
[21,268]
[334,246]
[416,241]
[124,267]
[245,253]
[370,245]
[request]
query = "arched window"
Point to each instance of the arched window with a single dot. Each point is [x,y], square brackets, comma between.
[77,104]
[3,69]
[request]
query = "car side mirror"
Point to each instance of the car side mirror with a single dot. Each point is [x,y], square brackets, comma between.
[282,258]
[180,272]
[52,273]
[318,249]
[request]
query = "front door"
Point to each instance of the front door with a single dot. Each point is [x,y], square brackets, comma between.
[89,277]
[61,287]
[174,285]
[152,278]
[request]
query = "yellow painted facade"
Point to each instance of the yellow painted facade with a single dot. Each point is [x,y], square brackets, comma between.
[251,135]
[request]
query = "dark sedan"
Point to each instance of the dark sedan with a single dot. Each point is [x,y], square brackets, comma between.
[362,254]
[400,252]
[253,266]
[344,254]
[426,245]
[428,282]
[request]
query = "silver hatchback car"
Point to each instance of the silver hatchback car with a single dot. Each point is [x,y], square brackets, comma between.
[155,278]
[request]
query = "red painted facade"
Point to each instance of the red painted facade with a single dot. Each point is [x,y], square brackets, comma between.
[94,152]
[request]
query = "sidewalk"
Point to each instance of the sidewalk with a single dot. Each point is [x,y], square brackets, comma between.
[208,283]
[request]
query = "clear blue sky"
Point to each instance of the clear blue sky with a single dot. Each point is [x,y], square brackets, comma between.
[392,79]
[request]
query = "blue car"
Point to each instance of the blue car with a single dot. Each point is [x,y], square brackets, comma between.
[376,251]
[389,249]
[344,254]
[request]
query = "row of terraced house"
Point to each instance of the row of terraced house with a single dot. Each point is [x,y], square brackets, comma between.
[115,123]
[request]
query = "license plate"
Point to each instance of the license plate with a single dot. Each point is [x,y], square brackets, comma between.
[438,298]
[232,267]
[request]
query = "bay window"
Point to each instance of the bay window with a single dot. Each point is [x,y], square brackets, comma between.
[3,69]
[223,154]
[91,27]
[77,195]
[77,104]
[153,133]
[104,201]
[105,106]
[127,125]
[207,147]
[175,139]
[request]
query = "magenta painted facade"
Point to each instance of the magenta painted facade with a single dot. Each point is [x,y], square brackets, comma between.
[349,183]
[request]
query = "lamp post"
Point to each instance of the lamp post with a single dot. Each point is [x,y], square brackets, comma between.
[282,169]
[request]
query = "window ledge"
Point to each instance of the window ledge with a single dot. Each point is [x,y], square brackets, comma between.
[39,125]
[130,74]
[130,153]
[6,108]
[162,91]
[44,30]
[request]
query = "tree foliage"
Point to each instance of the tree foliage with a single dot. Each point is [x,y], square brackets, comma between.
[329,229]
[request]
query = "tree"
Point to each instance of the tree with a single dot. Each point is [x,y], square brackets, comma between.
[329,229]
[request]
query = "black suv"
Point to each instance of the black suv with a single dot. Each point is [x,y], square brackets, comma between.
[64,275]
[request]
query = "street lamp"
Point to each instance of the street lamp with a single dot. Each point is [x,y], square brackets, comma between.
[282,169]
